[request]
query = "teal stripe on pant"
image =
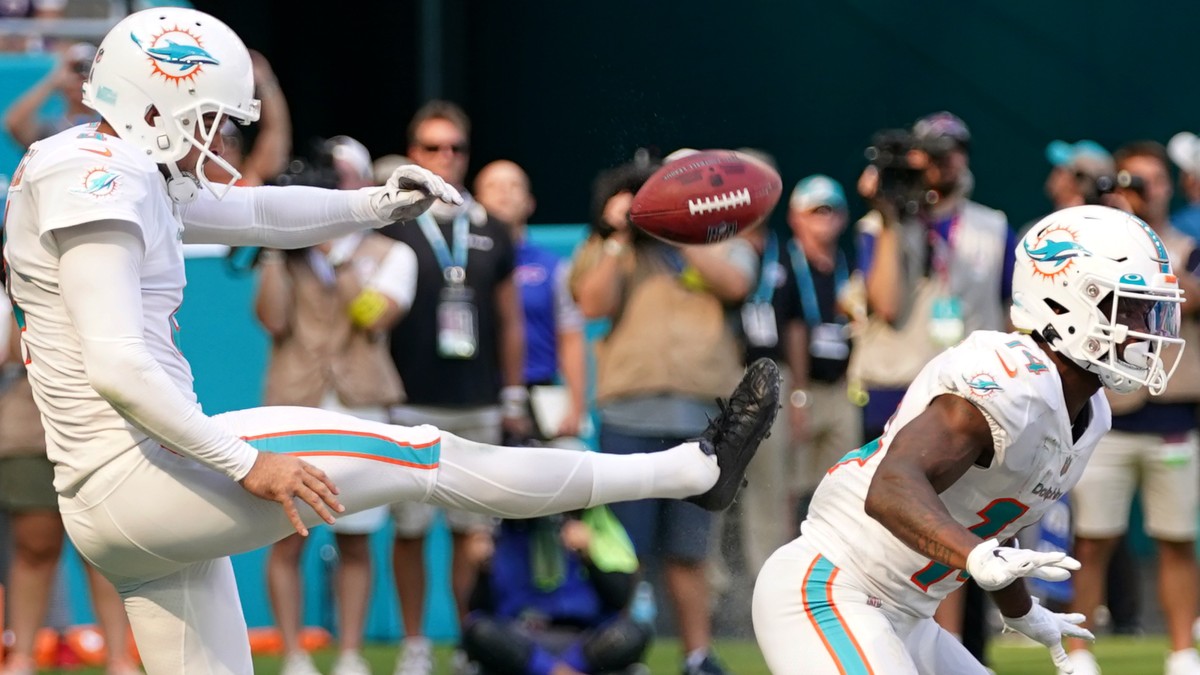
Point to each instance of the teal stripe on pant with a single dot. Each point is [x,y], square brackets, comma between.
[348,442]
[819,603]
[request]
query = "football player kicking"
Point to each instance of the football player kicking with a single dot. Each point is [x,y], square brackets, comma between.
[155,493]
[989,435]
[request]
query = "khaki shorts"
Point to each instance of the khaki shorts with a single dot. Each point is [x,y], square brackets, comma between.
[1166,469]
[27,484]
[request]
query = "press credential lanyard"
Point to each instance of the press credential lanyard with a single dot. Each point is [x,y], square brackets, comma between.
[453,262]
[758,314]
[457,321]
[766,280]
[808,289]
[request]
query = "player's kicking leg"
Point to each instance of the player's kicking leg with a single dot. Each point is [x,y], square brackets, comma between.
[154,521]
[528,482]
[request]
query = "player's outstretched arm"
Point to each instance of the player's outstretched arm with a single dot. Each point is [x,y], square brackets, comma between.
[925,457]
[99,278]
[297,216]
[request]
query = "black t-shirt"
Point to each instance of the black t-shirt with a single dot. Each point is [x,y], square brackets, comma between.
[430,379]
[789,306]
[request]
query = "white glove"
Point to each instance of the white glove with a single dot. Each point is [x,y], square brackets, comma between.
[1049,628]
[409,191]
[993,566]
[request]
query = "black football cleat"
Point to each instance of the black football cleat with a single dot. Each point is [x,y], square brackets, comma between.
[733,437]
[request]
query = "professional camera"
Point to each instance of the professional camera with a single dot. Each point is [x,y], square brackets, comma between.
[900,183]
[1094,187]
[314,170]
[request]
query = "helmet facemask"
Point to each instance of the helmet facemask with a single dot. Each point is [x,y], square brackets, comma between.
[198,127]
[1134,342]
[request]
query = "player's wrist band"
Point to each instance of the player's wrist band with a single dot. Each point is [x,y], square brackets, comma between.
[367,307]
[513,400]
[799,398]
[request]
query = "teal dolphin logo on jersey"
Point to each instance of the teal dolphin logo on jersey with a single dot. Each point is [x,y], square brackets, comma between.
[1056,252]
[98,183]
[983,384]
[176,54]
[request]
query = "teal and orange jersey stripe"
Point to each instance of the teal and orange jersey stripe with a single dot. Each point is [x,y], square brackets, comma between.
[343,443]
[822,611]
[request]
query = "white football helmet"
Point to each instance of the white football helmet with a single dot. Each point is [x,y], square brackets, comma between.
[1090,278]
[184,64]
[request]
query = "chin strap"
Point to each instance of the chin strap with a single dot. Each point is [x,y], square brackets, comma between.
[183,188]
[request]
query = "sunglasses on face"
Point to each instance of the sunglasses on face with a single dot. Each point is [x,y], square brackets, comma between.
[455,148]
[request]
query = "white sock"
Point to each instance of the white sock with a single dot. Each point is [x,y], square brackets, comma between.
[530,482]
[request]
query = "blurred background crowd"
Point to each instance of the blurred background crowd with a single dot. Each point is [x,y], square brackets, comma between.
[553,321]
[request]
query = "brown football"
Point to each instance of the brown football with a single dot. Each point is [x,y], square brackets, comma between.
[706,197]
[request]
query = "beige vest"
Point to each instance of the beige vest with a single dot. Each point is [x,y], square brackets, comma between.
[665,339]
[323,351]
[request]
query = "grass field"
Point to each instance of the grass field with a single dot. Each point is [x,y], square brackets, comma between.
[1118,655]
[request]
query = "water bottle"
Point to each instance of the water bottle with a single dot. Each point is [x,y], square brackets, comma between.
[643,609]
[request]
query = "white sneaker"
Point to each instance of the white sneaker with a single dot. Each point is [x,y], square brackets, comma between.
[1084,663]
[416,657]
[298,663]
[460,664]
[1183,662]
[351,663]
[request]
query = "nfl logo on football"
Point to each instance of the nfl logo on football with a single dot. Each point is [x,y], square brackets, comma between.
[720,232]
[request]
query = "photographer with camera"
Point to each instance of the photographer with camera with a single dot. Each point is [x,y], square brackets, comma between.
[1082,173]
[936,264]
[936,267]
[328,310]
[1153,446]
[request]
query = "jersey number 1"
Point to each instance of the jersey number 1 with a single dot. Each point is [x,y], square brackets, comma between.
[993,519]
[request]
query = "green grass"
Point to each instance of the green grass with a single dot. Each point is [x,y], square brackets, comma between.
[1127,656]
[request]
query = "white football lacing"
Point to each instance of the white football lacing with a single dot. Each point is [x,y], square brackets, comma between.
[722,202]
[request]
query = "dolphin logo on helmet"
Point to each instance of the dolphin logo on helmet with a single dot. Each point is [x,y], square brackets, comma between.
[173,53]
[1057,252]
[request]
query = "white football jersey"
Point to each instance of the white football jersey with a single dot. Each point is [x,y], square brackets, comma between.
[75,177]
[1019,392]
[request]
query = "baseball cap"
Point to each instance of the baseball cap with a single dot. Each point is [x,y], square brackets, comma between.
[939,128]
[1083,155]
[1184,150]
[817,190]
[81,52]
[80,56]
[353,153]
